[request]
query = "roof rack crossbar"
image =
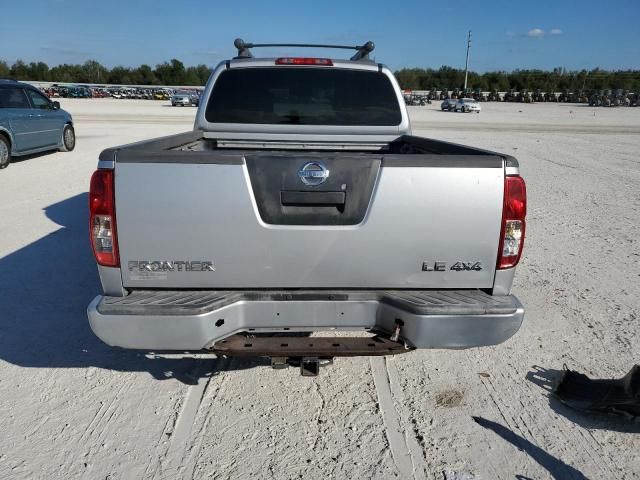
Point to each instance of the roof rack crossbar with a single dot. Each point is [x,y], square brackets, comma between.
[362,52]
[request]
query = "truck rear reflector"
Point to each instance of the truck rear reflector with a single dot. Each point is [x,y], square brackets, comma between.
[102,218]
[304,61]
[514,212]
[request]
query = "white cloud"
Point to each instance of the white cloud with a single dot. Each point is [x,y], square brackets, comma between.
[536,33]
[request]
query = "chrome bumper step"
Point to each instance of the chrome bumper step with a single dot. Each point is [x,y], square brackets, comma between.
[196,302]
[194,320]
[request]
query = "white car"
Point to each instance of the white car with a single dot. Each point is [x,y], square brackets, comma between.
[181,98]
[467,105]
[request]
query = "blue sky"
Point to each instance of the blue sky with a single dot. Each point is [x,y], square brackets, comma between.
[506,34]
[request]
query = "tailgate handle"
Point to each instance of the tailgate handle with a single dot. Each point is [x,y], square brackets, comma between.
[308,199]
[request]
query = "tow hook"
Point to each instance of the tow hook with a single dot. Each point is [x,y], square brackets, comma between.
[396,332]
[279,363]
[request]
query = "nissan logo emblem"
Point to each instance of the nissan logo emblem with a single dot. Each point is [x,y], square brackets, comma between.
[313,174]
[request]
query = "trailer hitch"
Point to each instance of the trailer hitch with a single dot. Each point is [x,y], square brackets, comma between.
[308,353]
[242,345]
[309,366]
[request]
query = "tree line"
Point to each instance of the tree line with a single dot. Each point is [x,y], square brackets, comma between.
[548,81]
[175,73]
[168,73]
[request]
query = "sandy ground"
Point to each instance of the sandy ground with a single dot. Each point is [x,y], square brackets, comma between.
[71,407]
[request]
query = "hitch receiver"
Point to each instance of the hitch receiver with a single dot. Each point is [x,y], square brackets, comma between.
[309,366]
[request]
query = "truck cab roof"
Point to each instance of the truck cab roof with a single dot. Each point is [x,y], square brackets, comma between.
[302,97]
[298,97]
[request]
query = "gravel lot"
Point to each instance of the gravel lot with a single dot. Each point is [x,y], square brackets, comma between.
[71,407]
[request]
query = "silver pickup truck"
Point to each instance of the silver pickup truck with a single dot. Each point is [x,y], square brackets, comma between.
[301,202]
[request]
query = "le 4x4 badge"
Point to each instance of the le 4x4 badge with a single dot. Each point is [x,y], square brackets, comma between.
[457,267]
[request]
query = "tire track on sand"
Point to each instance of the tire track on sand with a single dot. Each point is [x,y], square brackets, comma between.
[405,451]
[170,462]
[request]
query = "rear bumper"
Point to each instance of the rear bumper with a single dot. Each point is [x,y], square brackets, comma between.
[193,320]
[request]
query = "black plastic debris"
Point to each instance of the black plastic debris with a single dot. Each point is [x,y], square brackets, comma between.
[618,396]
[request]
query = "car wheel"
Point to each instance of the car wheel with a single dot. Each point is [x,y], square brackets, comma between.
[5,153]
[68,138]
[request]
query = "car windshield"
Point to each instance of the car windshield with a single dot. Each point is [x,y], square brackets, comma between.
[303,96]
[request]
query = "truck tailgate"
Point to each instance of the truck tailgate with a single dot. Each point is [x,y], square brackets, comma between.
[247,220]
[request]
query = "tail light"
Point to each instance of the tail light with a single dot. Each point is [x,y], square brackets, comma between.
[513,222]
[102,218]
[304,61]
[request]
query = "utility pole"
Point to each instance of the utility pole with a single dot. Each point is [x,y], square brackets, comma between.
[584,82]
[466,63]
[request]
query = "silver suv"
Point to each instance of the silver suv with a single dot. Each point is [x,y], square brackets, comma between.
[31,123]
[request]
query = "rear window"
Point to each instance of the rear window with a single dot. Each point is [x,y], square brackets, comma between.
[13,98]
[303,96]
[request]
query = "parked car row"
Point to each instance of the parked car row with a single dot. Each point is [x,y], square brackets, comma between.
[606,98]
[81,91]
[464,105]
[416,99]
[140,93]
